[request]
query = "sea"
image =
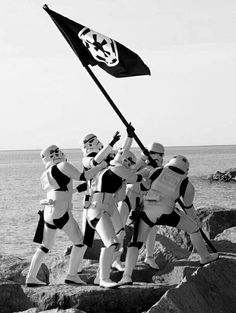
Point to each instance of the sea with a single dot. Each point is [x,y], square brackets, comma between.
[20,191]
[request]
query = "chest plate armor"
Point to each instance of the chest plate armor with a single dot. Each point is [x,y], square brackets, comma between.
[48,182]
[54,179]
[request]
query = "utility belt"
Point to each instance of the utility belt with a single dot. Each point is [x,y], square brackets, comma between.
[103,198]
[156,198]
[63,196]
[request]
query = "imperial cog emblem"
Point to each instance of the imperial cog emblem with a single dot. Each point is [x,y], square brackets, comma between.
[102,48]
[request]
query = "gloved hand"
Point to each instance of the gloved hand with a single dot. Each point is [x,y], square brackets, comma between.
[47,202]
[153,163]
[134,215]
[116,137]
[130,130]
[110,157]
[82,187]
[86,201]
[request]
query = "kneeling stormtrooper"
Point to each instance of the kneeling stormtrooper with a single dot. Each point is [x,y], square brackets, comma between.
[168,184]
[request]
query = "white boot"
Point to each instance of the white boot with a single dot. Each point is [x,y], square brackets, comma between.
[34,282]
[117,264]
[105,261]
[208,259]
[131,259]
[149,260]
[150,246]
[31,280]
[76,256]
[97,278]
[74,279]
[201,248]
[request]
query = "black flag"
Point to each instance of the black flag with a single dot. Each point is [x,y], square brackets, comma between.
[93,48]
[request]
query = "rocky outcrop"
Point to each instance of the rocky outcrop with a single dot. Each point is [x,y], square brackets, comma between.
[226,176]
[13,298]
[210,288]
[179,286]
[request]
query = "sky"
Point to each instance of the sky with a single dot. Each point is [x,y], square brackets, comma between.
[47,97]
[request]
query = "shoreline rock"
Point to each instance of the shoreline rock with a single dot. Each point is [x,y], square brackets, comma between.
[180,286]
[227,176]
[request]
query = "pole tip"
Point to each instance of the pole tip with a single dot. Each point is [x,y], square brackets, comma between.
[45,7]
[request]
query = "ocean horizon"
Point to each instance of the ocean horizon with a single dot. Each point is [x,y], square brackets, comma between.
[133,147]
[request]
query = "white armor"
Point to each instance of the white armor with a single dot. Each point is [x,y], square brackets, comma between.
[57,214]
[90,144]
[48,182]
[156,151]
[167,184]
[124,157]
[52,155]
[160,205]
[180,162]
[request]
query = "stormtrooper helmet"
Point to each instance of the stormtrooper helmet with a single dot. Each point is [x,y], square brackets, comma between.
[89,144]
[157,152]
[125,158]
[180,162]
[52,155]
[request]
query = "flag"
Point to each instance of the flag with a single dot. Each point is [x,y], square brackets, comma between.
[93,48]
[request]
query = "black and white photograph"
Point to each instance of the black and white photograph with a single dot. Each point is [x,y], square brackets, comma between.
[118,156]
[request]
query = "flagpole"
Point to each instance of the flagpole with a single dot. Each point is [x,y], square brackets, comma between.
[72,36]
[97,82]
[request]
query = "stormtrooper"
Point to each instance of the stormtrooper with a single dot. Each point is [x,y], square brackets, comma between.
[57,182]
[106,187]
[168,184]
[93,154]
[135,193]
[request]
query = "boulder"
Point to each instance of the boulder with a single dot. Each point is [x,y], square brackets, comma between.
[15,269]
[216,219]
[227,176]
[93,299]
[210,289]
[35,310]
[179,286]
[11,268]
[13,298]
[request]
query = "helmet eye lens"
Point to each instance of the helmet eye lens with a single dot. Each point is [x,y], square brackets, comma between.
[153,152]
[89,140]
[56,151]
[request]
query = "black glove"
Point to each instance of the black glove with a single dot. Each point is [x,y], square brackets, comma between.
[86,201]
[130,130]
[134,215]
[152,162]
[82,187]
[109,158]
[116,137]
[145,152]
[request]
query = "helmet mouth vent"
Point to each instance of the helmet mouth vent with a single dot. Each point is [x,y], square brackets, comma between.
[131,161]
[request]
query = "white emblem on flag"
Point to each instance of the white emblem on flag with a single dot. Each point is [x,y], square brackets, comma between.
[102,48]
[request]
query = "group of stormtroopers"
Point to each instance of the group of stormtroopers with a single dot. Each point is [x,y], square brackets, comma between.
[118,189]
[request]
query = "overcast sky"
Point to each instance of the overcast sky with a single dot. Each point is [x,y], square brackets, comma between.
[47,97]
